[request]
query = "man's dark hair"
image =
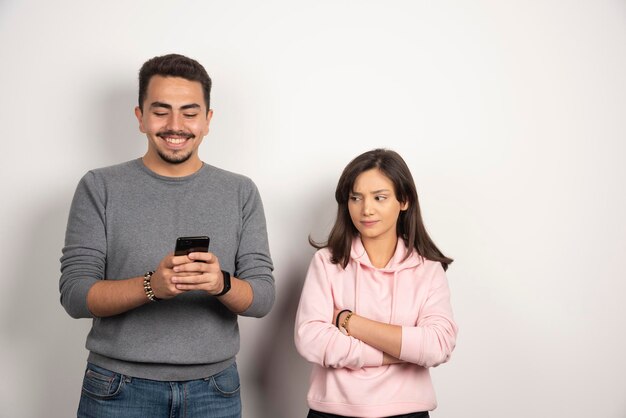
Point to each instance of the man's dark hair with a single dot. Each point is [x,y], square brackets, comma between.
[174,65]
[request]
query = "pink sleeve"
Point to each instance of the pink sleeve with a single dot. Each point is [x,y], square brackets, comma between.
[316,337]
[431,342]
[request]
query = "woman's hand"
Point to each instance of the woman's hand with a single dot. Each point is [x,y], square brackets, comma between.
[380,335]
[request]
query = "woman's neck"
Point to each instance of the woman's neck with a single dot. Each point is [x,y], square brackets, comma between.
[380,251]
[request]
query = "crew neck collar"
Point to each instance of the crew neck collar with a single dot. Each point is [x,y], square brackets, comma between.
[139,162]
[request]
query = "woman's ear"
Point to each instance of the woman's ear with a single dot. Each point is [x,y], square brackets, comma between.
[404,206]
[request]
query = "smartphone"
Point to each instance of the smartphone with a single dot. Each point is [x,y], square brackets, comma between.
[186,245]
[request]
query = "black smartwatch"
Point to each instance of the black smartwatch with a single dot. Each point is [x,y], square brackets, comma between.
[226,283]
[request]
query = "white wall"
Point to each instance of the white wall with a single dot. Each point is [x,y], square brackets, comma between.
[510,114]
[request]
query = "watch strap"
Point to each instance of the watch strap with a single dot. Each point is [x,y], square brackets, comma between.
[226,288]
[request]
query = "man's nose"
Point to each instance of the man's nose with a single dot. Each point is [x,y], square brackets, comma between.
[175,122]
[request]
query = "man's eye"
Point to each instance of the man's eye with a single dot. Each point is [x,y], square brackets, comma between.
[191,115]
[160,114]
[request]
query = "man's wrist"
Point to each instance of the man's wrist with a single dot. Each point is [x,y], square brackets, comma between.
[147,286]
[226,281]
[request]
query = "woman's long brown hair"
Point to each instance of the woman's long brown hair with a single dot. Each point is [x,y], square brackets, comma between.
[410,226]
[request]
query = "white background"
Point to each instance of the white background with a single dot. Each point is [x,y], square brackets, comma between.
[511,115]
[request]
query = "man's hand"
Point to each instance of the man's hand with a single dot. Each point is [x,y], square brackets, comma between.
[173,276]
[195,271]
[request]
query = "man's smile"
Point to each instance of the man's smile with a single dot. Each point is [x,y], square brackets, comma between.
[175,138]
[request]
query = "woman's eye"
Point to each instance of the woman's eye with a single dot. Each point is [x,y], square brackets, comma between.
[379,198]
[355,198]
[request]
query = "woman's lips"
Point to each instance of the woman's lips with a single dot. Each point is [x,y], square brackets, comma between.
[368,223]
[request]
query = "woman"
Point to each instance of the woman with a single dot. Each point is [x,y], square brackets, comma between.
[375,310]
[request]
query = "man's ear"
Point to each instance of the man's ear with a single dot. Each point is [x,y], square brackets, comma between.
[209,115]
[139,116]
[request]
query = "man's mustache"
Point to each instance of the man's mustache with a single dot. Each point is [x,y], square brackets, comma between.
[183,134]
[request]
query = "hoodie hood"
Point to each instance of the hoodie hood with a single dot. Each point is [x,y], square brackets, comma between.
[371,280]
[397,262]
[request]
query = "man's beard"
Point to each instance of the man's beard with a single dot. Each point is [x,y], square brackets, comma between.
[176,158]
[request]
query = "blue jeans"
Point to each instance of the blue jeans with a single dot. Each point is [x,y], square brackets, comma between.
[107,394]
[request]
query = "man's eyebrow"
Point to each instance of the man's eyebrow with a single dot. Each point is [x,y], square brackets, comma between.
[169,106]
[160,104]
[190,106]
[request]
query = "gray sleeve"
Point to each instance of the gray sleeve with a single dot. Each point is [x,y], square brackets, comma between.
[84,254]
[253,262]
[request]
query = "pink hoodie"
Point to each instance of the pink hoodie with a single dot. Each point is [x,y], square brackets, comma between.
[348,377]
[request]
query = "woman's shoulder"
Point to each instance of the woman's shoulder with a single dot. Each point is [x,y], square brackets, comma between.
[432,269]
[323,255]
[324,258]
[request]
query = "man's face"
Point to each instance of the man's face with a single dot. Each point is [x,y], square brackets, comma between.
[175,120]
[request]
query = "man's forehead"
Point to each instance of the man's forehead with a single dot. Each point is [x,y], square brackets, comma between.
[176,91]
[158,83]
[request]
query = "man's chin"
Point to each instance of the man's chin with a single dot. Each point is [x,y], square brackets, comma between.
[174,159]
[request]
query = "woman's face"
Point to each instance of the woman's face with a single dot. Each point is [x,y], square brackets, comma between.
[373,206]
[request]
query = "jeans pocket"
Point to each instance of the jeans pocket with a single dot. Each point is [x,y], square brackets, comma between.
[101,383]
[226,382]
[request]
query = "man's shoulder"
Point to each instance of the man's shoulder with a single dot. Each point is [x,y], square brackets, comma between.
[116,169]
[228,177]
[112,174]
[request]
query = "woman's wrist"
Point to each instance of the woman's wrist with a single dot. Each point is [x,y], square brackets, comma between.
[341,316]
[342,321]
[344,326]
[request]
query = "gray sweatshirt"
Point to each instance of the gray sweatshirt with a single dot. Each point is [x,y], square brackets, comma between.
[123,220]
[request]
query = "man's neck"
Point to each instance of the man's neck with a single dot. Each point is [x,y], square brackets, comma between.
[163,168]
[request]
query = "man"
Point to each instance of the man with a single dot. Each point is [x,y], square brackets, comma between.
[165,334]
